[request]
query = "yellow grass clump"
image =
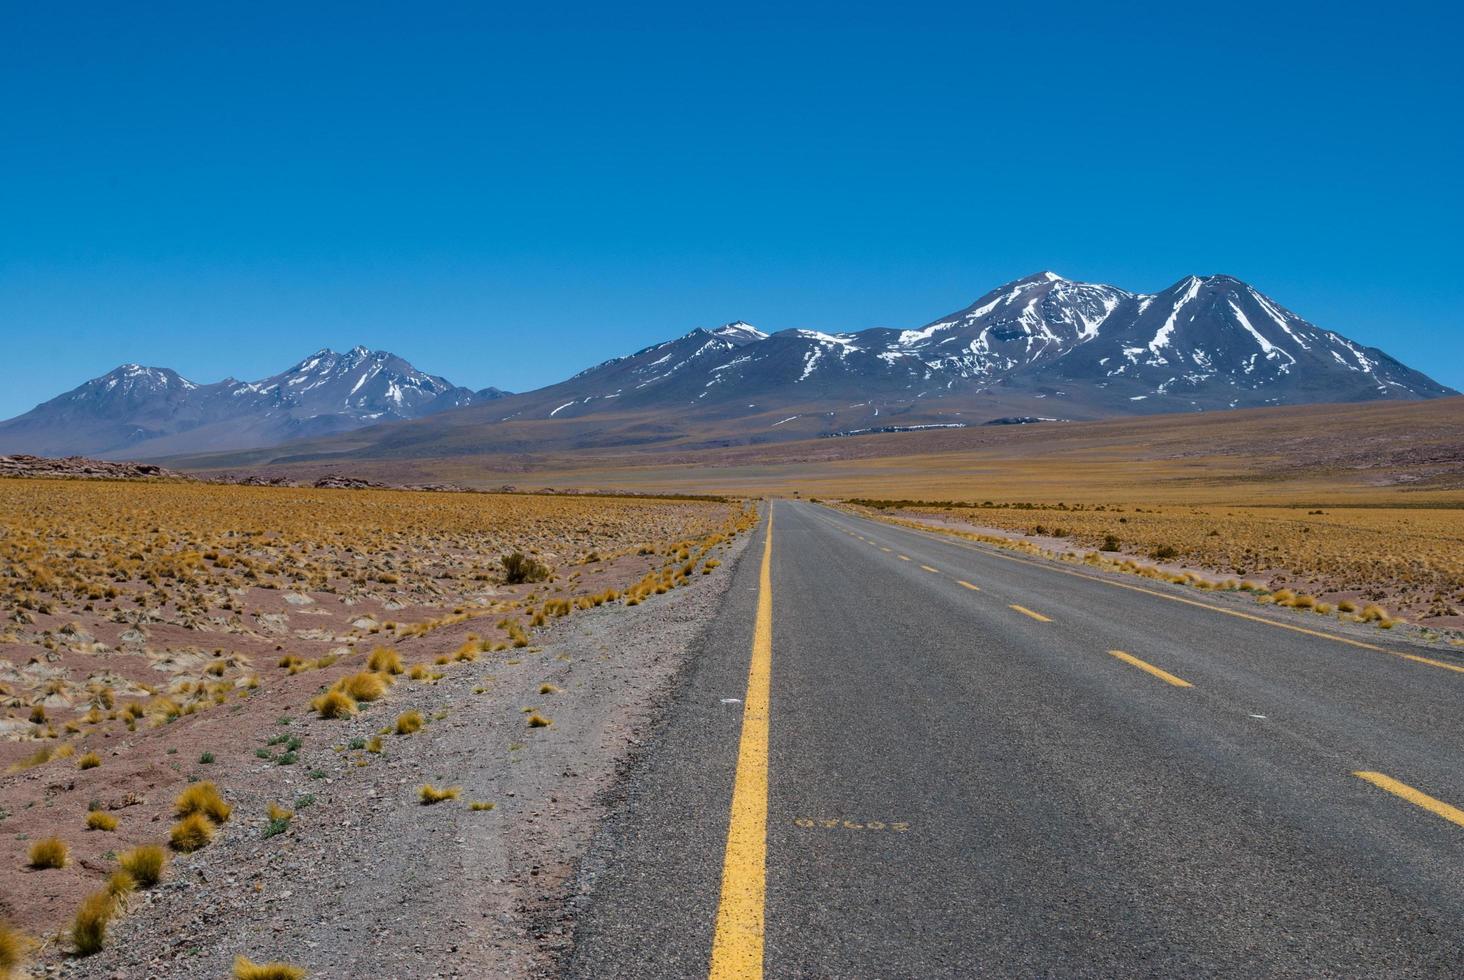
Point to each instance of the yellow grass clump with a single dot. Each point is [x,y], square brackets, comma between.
[430,794]
[191,833]
[408,722]
[48,852]
[202,798]
[537,720]
[481,806]
[97,820]
[365,686]
[334,704]
[145,863]
[14,945]
[247,969]
[384,660]
[89,928]
[89,761]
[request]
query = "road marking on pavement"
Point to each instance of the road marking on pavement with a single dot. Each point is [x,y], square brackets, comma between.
[1027,612]
[1438,807]
[1163,675]
[967,585]
[838,823]
[737,947]
[883,548]
[903,557]
[929,569]
[1201,605]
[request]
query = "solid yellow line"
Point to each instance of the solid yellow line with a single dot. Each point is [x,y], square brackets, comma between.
[1450,813]
[1035,615]
[929,569]
[737,947]
[1163,675]
[964,584]
[994,553]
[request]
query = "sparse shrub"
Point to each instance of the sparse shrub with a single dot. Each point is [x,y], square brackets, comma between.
[334,704]
[519,568]
[48,852]
[547,688]
[1347,606]
[145,863]
[97,820]
[374,746]
[408,722]
[89,761]
[1373,613]
[1165,552]
[1110,543]
[279,820]
[481,806]
[206,759]
[202,798]
[89,928]
[430,794]
[247,969]
[537,720]
[191,833]
[120,883]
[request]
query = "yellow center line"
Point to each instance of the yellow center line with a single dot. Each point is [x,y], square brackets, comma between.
[737,947]
[1163,675]
[904,557]
[1402,790]
[967,585]
[1027,612]
[884,549]
[1200,605]
[929,569]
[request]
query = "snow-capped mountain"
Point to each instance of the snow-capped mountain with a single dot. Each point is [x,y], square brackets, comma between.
[1043,346]
[136,411]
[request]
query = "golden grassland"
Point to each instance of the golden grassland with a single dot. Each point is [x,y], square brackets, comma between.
[129,612]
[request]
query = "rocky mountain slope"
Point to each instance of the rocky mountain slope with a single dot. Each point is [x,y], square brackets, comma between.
[138,411]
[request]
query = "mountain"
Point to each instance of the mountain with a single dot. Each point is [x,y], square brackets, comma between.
[141,411]
[1038,348]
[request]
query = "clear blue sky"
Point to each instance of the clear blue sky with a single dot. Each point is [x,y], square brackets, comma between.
[504,196]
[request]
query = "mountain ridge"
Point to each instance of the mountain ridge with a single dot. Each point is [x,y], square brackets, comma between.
[1042,346]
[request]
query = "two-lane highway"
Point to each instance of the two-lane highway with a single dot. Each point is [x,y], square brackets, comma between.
[900,754]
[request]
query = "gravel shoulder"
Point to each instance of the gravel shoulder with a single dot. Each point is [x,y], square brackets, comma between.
[368,881]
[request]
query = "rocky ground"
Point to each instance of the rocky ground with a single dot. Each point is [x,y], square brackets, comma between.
[365,880]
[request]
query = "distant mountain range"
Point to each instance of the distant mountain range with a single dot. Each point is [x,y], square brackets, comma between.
[138,411]
[1039,348]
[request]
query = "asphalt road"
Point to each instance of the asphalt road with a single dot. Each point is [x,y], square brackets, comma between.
[962,778]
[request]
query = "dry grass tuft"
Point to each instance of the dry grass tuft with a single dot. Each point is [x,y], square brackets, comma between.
[14,945]
[247,969]
[120,883]
[97,820]
[408,722]
[548,689]
[364,686]
[48,852]
[481,806]
[431,794]
[89,928]
[537,720]
[89,761]
[202,798]
[384,660]
[334,704]
[145,863]
[191,833]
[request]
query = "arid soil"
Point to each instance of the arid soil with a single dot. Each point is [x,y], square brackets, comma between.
[366,880]
[153,634]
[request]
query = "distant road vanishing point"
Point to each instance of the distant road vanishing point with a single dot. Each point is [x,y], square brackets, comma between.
[900,754]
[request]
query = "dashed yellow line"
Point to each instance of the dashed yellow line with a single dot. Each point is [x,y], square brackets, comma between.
[1402,790]
[885,550]
[1027,612]
[737,947]
[967,585]
[903,557]
[994,553]
[1163,675]
[929,569]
